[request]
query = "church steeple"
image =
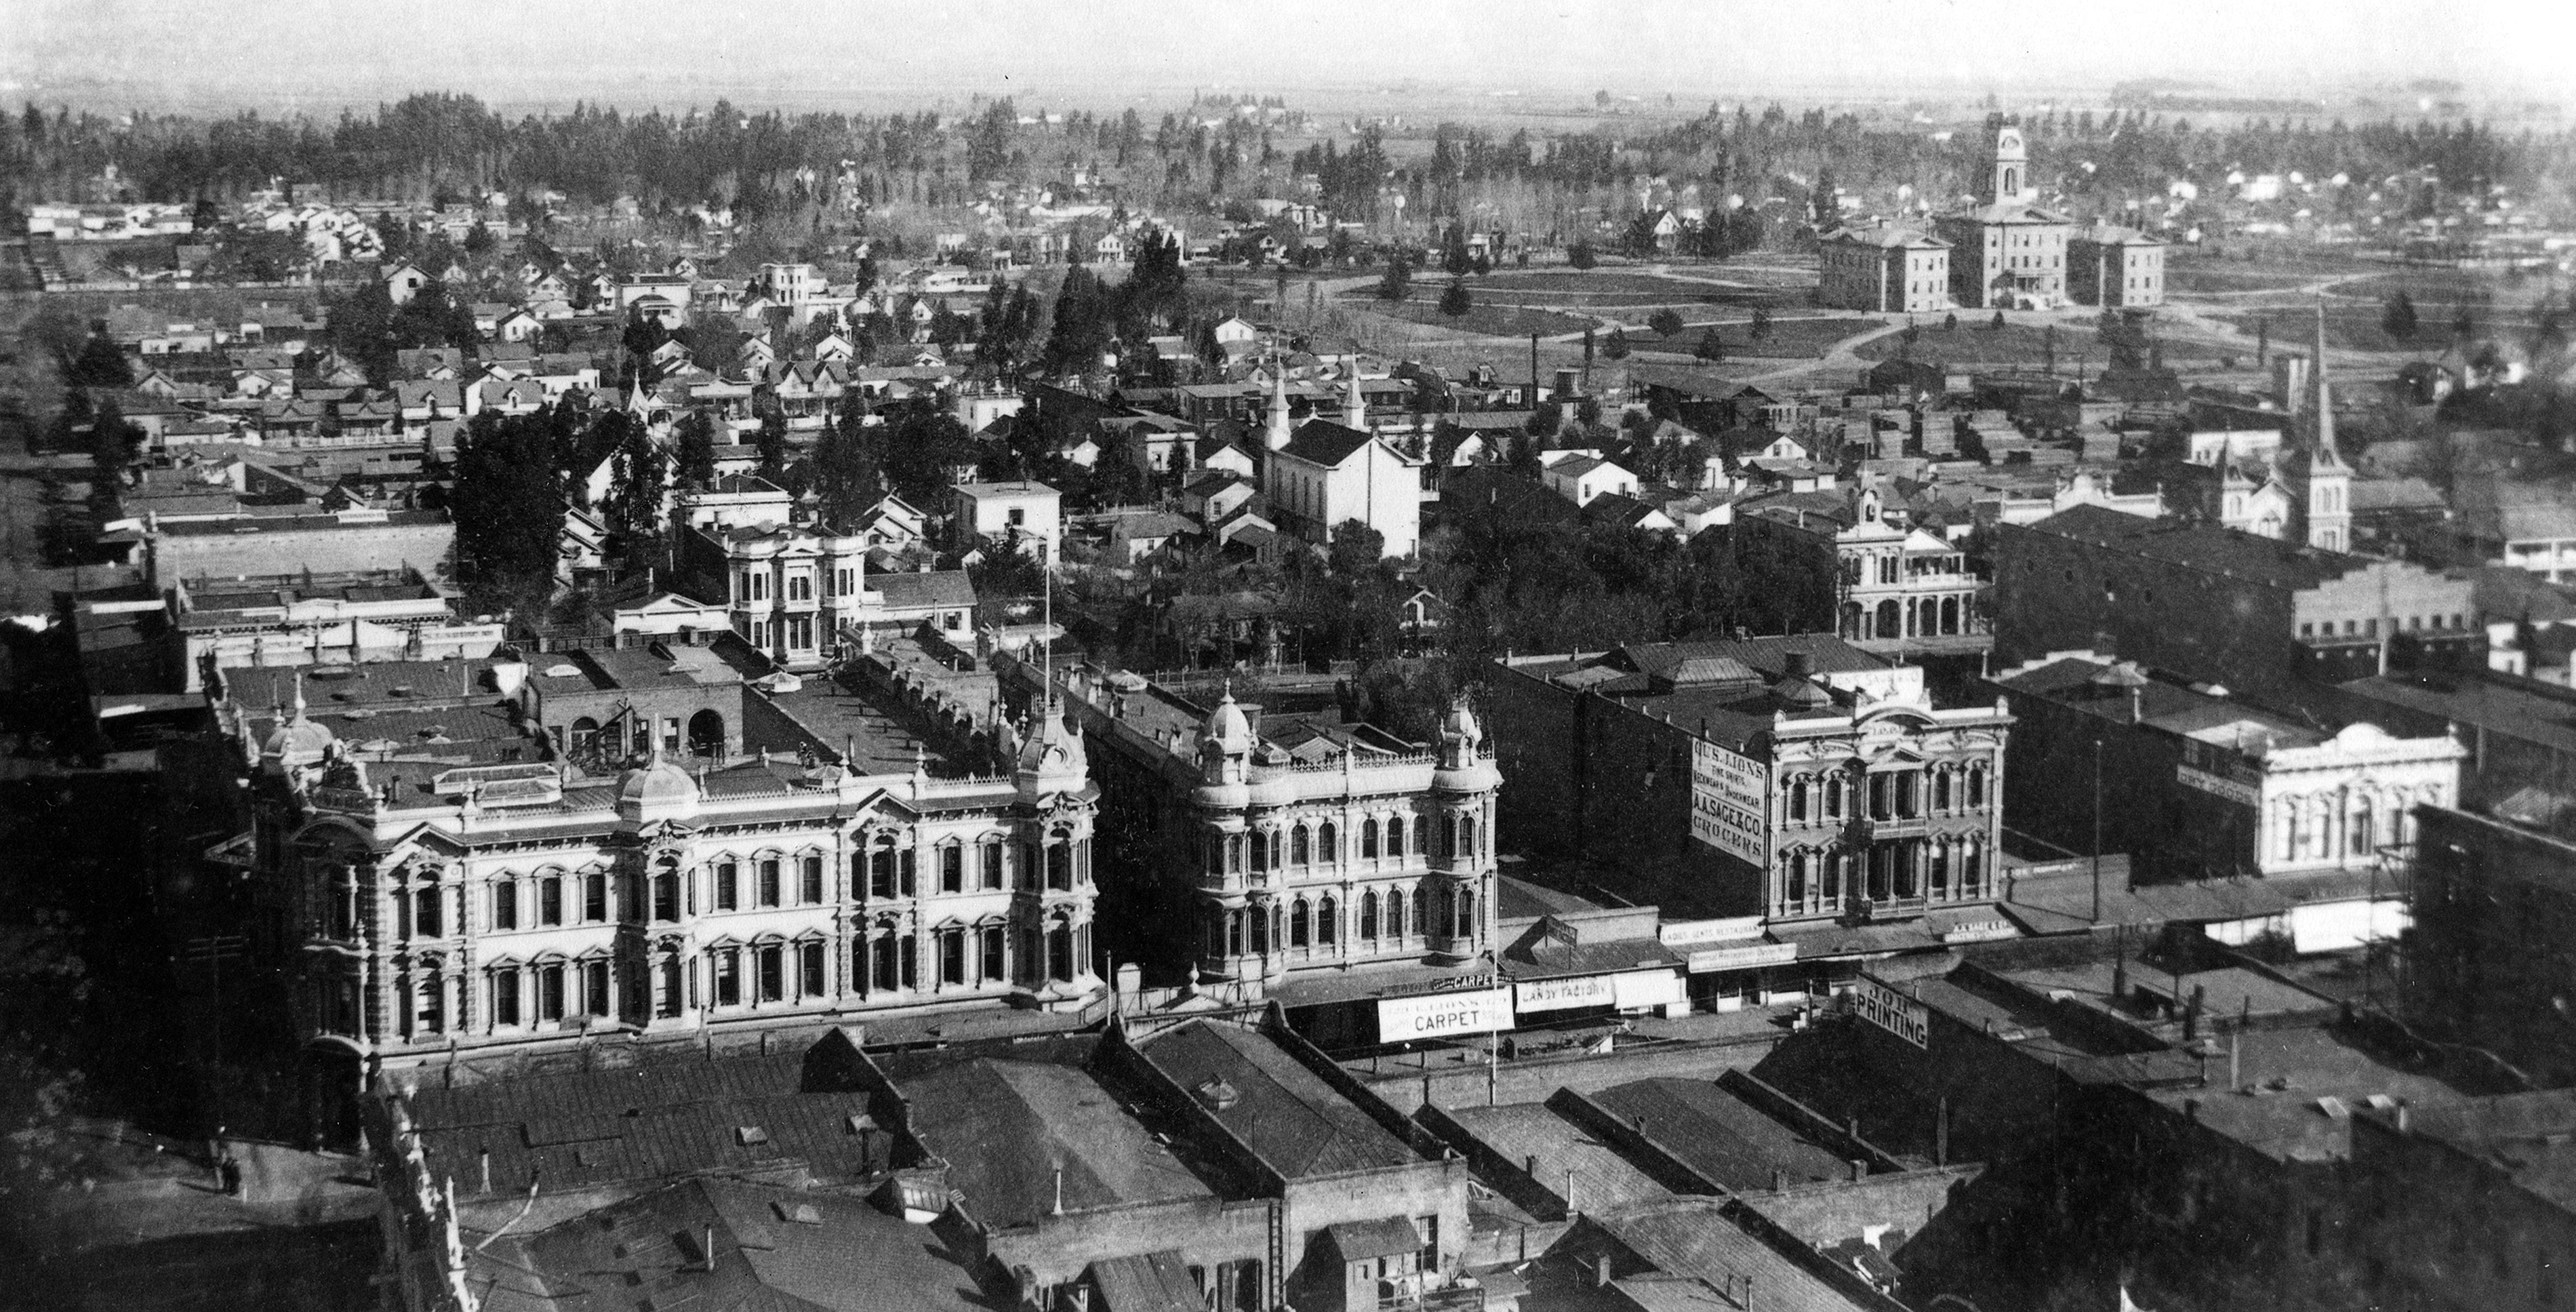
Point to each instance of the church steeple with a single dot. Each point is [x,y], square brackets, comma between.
[2320,404]
[1277,433]
[1354,405]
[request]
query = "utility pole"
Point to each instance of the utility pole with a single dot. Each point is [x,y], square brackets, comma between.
[2097,831]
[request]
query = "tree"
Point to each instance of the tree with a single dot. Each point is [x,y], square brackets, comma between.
[1454,301]
[849,466]
[1579,255]
[2262,339]
[1998,324]
[1391,285]
[479,239]
[1615,346]
[1356,549]
[99,364]
[1083,325]
[1667,323]
[1711,347]
[2397,316]
[114,443]
[772,441]
[509,507]
[695,461]
[639,480]
[206,217]
[1950,323]
[1454,260]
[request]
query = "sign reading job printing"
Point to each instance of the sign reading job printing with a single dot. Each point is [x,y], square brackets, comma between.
[1728,794]
[1893,1012]
[1431,1015]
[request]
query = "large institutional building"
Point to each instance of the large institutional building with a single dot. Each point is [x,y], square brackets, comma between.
[1255,849]
[2007,253]
[1885,269]
[1800,780]
[435,892]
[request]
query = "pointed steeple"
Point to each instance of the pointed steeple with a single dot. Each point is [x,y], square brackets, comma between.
[1276,435]
[1354,405]
[2322,420]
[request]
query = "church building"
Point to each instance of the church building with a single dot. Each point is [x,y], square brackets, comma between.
[2301,492]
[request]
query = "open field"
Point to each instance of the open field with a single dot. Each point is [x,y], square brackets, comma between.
[1788,339]
[1489,320]
[2356,326]
[2019,344]
[2276,269]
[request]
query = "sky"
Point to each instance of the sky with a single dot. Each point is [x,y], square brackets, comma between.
[307,53]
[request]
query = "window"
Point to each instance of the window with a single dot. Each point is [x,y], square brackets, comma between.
[952,956]
[992,864]
[1395,838]
[1977,784]
[996,967]
[505,996]
[550,993]
[728,885]
[1394,915]
[800,586]
[1297,913]
[809,877]
[728,964]
[1467,837]
[1059,863]
[1368,915]
[1368,840]
[881,869]
[1466,913]
[594,896]
[1328,921]
[952,869]
[429,1006]
[800,633]
[666,895]
[425,916]
[773,972]
[769,881]
[809,970]
[1328,844]
[668,991]
[1059,951]
[882,964]
[1421,921]
[594,987]
[505,905]
[1797,801]
[909,951]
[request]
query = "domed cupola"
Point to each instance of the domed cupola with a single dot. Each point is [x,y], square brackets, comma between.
[1225,755]
[1464,767]
[656,790]
[296,740]
[1050,757]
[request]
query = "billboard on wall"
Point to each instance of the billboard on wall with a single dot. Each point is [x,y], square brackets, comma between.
[1728,794]
[1433,1015]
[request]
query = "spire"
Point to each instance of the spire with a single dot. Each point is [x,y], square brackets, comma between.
[299,694]
[1354,405]
[2323,420]
[1276,435]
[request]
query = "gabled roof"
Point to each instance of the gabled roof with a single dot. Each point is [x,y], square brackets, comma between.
[1323,442]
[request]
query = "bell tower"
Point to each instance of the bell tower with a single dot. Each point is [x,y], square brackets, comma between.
[2011,181]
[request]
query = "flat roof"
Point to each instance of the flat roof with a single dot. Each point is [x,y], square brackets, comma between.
[1008,1126]
[1295,1122]
[1720,1135]
[1535,1138]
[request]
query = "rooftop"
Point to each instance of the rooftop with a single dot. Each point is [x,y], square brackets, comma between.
[1297,1124]
[1008,1126]
[2205,547]
[2529,1137]
[1720,1135]
[1535,1138]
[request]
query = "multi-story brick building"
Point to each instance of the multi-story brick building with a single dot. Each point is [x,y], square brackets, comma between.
[1885,269]
[1797,779]
[1258,849]
[2495,904]
[2108,265]
[2007,253]
[445,899]
[2217,605]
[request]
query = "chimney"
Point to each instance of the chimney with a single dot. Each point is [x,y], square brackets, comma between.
[2401,1118]
[1058,1209]
[1779,1179]
[483,1168]
[708,1237]
[1859,1169]
[2137,704]
[1529,1166]
[1601,1271]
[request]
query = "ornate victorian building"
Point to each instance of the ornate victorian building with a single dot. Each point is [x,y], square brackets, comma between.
[425,910]
[1251,851]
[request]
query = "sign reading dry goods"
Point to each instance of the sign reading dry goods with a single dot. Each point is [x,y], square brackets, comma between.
[1727,797]
[1432,1015]
[1893,1012]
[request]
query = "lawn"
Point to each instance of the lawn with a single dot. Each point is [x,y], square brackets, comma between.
[1584,282]
[2488,290]
[1789,339]
[2277,268]
[2356,327]
[1489,320]
[2017,344]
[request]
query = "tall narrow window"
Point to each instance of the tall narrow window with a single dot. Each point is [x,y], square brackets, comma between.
[773,973]
[809,970]
[426,920]
[728,885]
[769,881]
[505,905]
[505,996]
[1368,839]
[594,988]
[669,989]
[809,877]
[728,964]
[1395,838]
[594,896]
[1297,918]
[1394,915]
[1368,916]
[1328,921]
[995,967]
[1328,843]
[992,865]
[1297,839]
[952,869]
[666,895]
[952,956]
[550,992]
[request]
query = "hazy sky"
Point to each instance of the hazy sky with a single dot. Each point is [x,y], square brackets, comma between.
[634,51]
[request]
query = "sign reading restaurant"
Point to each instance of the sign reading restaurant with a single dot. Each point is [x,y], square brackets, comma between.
[1893,1012]
[1728,795]
[1434,1015]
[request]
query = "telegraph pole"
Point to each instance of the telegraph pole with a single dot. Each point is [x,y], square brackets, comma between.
[2097,831]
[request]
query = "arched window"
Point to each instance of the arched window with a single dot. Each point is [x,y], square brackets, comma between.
[1259,914]
[1059,951]
[1833,784]
[1328,921]
[1395,838]
[728,892]
[666,894]
[1368,916]
[1941,869]
[1368,839]
[881,867]
[667,987]
[1328,843]
[1798,800]
[1234,933]
[1971,870]
[1941,789]
[1059,861]
[1297,846]
[1260,854]
[1421,905]
[1466,913]
[429,1006]
[771,888]
[1297,924]
[2364,836]
[1394,914]
[990,867]
[1467,837]
[1796,893]
[1977,784]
